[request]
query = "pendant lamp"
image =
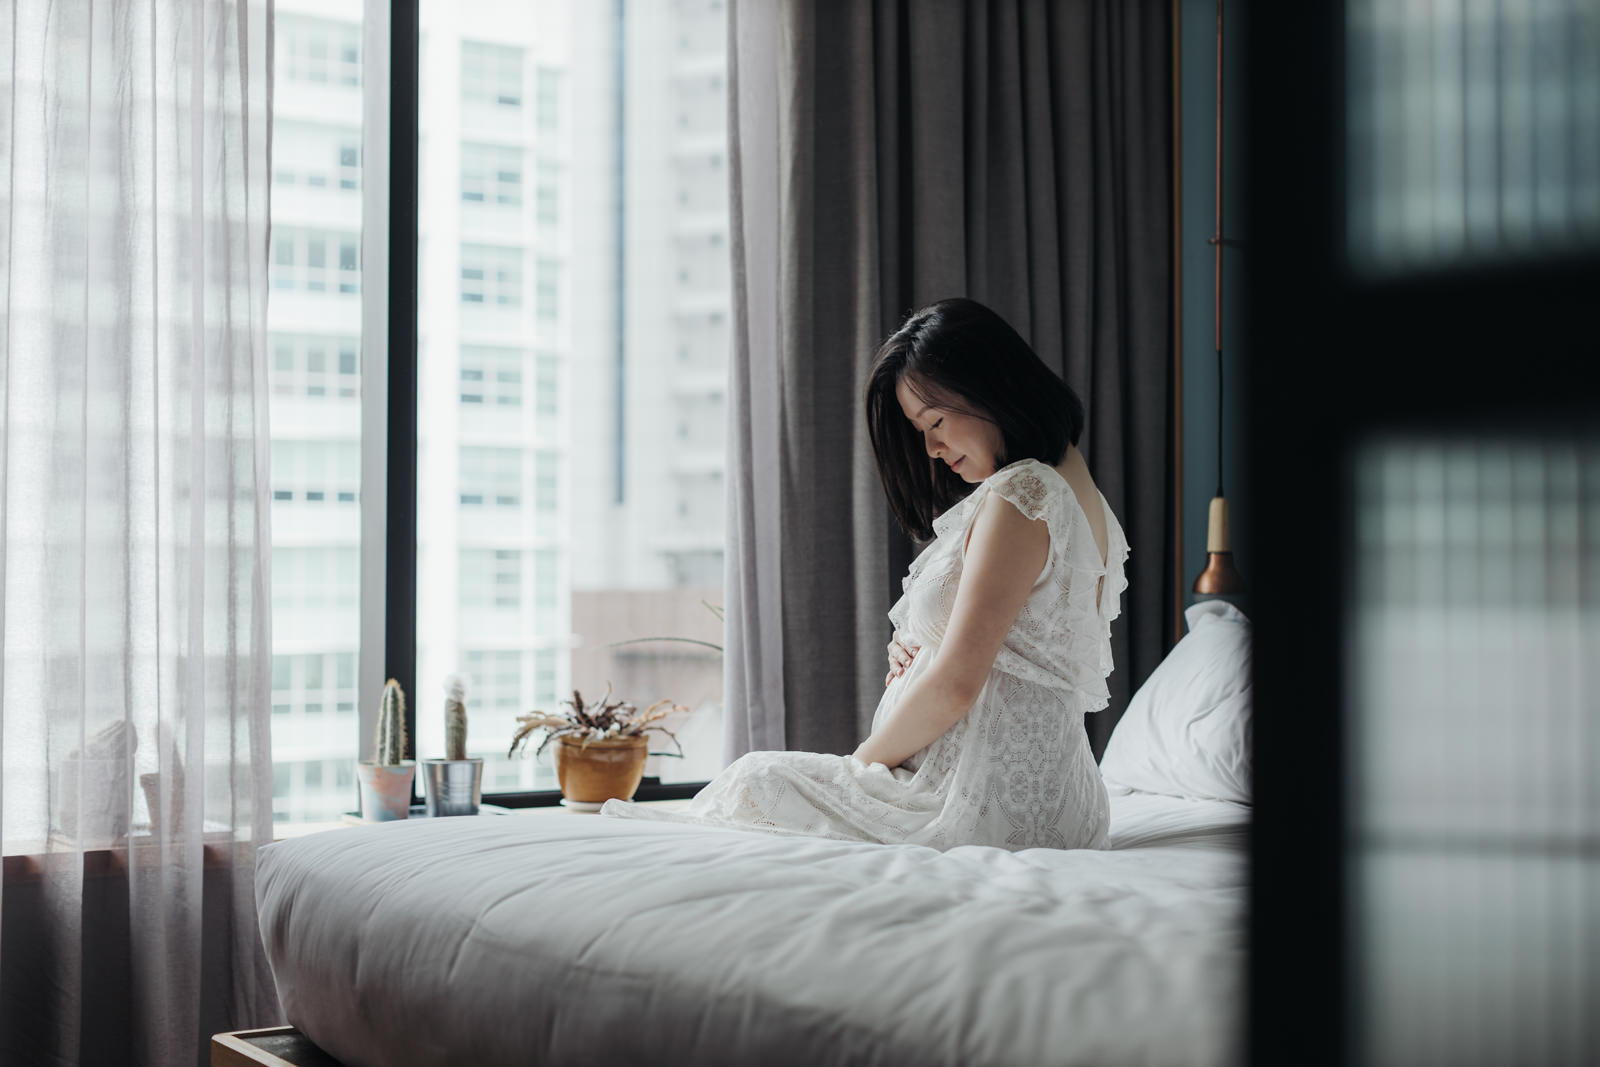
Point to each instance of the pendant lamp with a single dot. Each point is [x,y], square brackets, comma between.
[1220,578]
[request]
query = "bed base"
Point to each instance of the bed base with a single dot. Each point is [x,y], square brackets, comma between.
[274,1046]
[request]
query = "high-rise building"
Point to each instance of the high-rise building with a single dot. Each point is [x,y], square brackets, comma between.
[572,338]
[314,342]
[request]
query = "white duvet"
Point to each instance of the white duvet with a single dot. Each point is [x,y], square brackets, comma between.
[576,940]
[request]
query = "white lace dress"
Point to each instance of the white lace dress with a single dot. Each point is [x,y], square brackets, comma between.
[1017,770]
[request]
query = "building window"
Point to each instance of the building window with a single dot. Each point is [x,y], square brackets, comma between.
[316,472]
[490,477]
[491,75]
[546,390]
[491,174]
[315,365]
[544,592]
[350,164]
[548,295]
[544,678]
[548,101]
[546,491]
[494,679]
[491,275]
[322,579]
[318,51]
[301,260]
[548,197]
[491,578]
[491,377]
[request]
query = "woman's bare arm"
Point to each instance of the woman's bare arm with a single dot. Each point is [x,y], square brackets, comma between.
[1006,551]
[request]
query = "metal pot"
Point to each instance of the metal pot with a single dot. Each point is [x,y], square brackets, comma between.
[452,786]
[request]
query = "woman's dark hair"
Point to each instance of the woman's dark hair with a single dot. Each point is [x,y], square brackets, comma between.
[959,355]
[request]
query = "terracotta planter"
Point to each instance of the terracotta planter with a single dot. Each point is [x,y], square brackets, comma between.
[602,770]
[385,790]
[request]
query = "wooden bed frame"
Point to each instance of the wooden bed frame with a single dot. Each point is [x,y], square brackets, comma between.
[274,1046]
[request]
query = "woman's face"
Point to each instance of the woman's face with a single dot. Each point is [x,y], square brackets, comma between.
[967,444]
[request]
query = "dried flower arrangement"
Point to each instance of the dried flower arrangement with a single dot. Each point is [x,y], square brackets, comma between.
[600,721]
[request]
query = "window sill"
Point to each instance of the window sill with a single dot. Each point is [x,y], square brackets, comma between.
[34,861]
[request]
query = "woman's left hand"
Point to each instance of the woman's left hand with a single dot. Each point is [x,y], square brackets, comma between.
[901,653]
[863,755]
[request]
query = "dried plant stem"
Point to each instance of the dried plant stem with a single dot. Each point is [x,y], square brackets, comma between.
[605,719]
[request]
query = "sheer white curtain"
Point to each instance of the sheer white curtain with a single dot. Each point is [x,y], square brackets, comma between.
[134,604]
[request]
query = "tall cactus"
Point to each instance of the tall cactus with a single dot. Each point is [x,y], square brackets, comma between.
[392,725]
[455,718]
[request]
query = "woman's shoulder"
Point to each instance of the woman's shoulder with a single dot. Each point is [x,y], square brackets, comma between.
[1035,488]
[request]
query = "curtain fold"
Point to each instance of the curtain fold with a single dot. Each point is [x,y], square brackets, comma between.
[134,592]
[888,154]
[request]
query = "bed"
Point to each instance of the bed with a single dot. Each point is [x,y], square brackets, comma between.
[569,939]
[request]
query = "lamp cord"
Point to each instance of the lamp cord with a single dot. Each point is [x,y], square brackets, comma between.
[1219,422]
[1219,242]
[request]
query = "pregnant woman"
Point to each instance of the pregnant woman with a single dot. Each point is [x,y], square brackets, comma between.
[1002,637]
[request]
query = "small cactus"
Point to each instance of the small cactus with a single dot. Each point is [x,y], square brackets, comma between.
[455,718]
[392,725]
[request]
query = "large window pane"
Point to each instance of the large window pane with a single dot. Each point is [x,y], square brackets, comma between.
[314,328]
[566,506]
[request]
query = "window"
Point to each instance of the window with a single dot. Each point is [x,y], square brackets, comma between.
[549,290]
[491,275]
[545,586]
[1471,134]
[494,679]
[491,75]
[548,101]
[556,549]
[350,164]
[316,365]
[322,472]
[490,578]
[546,492]
[491,377]
[491,174]
[314,155]
[547,197]
[302,261]
[547,383]
[318,52]
[349,267]
[490,477]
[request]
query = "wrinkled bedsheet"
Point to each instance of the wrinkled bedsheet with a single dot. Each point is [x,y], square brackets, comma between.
[566,939]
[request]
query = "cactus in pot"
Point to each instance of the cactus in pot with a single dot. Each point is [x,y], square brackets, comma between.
[455,718]
[386,778]
[391,743]
[453,785]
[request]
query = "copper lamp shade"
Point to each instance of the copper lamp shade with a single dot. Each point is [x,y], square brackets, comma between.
[1220,578]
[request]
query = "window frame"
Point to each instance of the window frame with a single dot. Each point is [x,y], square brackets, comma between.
[389,180]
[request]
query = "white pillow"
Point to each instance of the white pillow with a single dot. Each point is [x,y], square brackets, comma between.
[1186,732]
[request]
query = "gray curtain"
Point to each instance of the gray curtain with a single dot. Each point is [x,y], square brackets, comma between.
[885,155]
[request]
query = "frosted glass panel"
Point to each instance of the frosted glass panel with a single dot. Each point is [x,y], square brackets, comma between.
[1473,130]
[1471,690]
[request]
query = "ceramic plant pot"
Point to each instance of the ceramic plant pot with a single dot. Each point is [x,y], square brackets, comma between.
[385,789]
[601,771]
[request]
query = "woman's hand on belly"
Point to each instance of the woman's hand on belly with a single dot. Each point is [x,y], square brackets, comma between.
[901,653]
